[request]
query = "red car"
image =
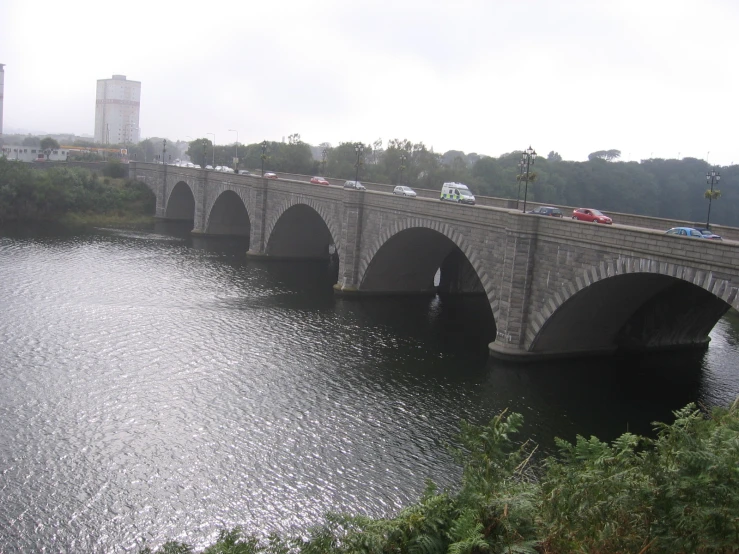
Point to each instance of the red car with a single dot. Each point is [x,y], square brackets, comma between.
[319,181]
[270,175]
[593,216]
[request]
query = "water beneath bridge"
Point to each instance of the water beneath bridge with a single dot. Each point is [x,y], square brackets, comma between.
[154,386]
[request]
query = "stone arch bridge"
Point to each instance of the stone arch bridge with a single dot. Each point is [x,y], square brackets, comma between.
[556,288]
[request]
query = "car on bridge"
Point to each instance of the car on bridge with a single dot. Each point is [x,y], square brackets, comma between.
[319,181]
[546,210]
[686,232]
[591,215]
[243,172]
[356,185]
[402,190]
[707,233]
[270,175]
[457,192]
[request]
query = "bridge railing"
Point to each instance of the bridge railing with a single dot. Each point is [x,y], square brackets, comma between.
[634,220]
[644,221]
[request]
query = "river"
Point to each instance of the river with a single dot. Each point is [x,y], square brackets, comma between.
[154,386]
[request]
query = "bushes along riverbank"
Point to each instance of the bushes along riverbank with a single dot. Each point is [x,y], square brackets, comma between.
[71,195]
[676,493]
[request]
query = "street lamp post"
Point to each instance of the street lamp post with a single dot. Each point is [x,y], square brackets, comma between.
[529,156]
[264,155]
[236,159]
[358,148]
[519,178]
[712,177]
[214,148]
[403,158]
[164,151]
[324,154]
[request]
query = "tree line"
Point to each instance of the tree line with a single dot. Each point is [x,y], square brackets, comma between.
[668,188]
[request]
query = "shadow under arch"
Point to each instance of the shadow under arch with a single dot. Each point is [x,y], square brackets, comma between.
[301,233]
[631,312]
[181,203]
[406,263]
[228,216]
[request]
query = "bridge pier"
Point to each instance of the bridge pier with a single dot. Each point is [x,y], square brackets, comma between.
[351,234]
[258,193]
[201,196]
[515,284]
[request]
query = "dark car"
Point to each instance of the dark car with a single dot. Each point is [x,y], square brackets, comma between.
[547,210]
[707,233]
[356,185]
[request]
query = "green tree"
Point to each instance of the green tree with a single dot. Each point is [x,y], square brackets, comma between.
[199,150]
[47,145]
[608,155]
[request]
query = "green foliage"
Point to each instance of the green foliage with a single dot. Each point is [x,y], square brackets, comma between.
[27,194]
[31,141]
[200,151]
[49,143]
[115,169]
[608,155]
[677,492]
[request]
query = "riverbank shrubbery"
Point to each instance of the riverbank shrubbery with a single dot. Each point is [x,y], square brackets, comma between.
[70,193]
[675,493]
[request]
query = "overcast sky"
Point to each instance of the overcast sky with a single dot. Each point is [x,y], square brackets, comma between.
[649,77]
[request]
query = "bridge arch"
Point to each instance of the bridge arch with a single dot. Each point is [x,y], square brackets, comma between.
[429,244]
[301,228]
[631,304]
[180,202]
[227,213]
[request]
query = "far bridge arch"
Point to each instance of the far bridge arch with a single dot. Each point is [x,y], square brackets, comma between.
[180,202]
[227,213]
[632,304]
[302,228]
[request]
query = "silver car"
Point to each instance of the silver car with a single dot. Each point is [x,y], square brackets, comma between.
[401,190]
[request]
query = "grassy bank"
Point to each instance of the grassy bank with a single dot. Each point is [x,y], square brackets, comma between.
[676,493]
[72,195]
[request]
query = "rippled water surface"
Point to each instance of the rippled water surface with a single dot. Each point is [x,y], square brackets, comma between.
[156,387]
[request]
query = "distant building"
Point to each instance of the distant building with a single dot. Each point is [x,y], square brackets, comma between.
[117,111]
[2,93]
[32,154]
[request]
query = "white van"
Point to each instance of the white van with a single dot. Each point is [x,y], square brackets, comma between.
[457,192]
